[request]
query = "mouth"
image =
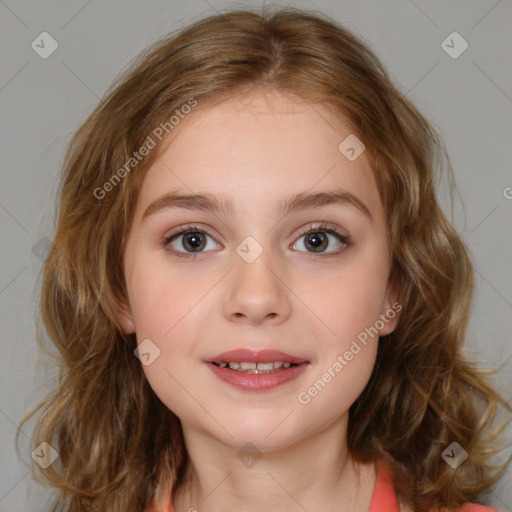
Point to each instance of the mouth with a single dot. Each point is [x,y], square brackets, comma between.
[257,371]
[243,359]
[257,368]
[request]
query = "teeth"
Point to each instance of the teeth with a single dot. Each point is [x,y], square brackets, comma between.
[264,366]
[255,367]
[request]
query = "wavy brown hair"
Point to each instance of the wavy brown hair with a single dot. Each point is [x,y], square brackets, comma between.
[119,446]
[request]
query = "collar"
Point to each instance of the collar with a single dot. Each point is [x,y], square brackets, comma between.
[384,497]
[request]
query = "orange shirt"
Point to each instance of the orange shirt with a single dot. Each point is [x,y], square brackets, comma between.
[385,500]
[384,497]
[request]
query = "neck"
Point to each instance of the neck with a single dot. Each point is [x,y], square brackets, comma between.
[317,473]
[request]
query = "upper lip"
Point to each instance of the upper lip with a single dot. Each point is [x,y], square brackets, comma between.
[252,356]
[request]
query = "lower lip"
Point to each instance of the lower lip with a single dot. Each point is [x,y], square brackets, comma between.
[255,381]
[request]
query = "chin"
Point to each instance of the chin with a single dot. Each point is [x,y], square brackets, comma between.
[266,432]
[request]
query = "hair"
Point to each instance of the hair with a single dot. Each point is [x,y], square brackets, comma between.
[120,448]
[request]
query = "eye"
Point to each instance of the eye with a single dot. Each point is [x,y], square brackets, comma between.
[317,239]
[189,240]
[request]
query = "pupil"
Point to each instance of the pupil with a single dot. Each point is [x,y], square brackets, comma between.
[193,241]
[318,241]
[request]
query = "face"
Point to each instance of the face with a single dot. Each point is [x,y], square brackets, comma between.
[263,271]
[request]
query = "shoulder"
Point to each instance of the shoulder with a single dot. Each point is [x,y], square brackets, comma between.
[475,507]
[467,507]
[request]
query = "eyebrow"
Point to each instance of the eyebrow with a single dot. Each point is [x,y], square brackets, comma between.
[224,204]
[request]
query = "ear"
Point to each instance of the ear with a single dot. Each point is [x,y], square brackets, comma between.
[391,308]
[124,316]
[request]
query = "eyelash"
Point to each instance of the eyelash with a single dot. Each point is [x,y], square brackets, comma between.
[320,227]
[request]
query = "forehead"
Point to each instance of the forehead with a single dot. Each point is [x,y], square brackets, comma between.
[258,147]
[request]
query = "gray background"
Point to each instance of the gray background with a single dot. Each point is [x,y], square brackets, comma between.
[468,99]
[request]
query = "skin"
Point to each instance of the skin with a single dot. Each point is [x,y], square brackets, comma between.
[258,149]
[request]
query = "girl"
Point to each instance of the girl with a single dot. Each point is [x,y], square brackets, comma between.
[257,299]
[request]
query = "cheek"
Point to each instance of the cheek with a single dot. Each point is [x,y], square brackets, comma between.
[168,306]
[167,317]
[159,298]
[350,309]
[349,302]
[346,358]
[333,390]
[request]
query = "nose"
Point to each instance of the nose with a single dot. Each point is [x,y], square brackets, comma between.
[257,292]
